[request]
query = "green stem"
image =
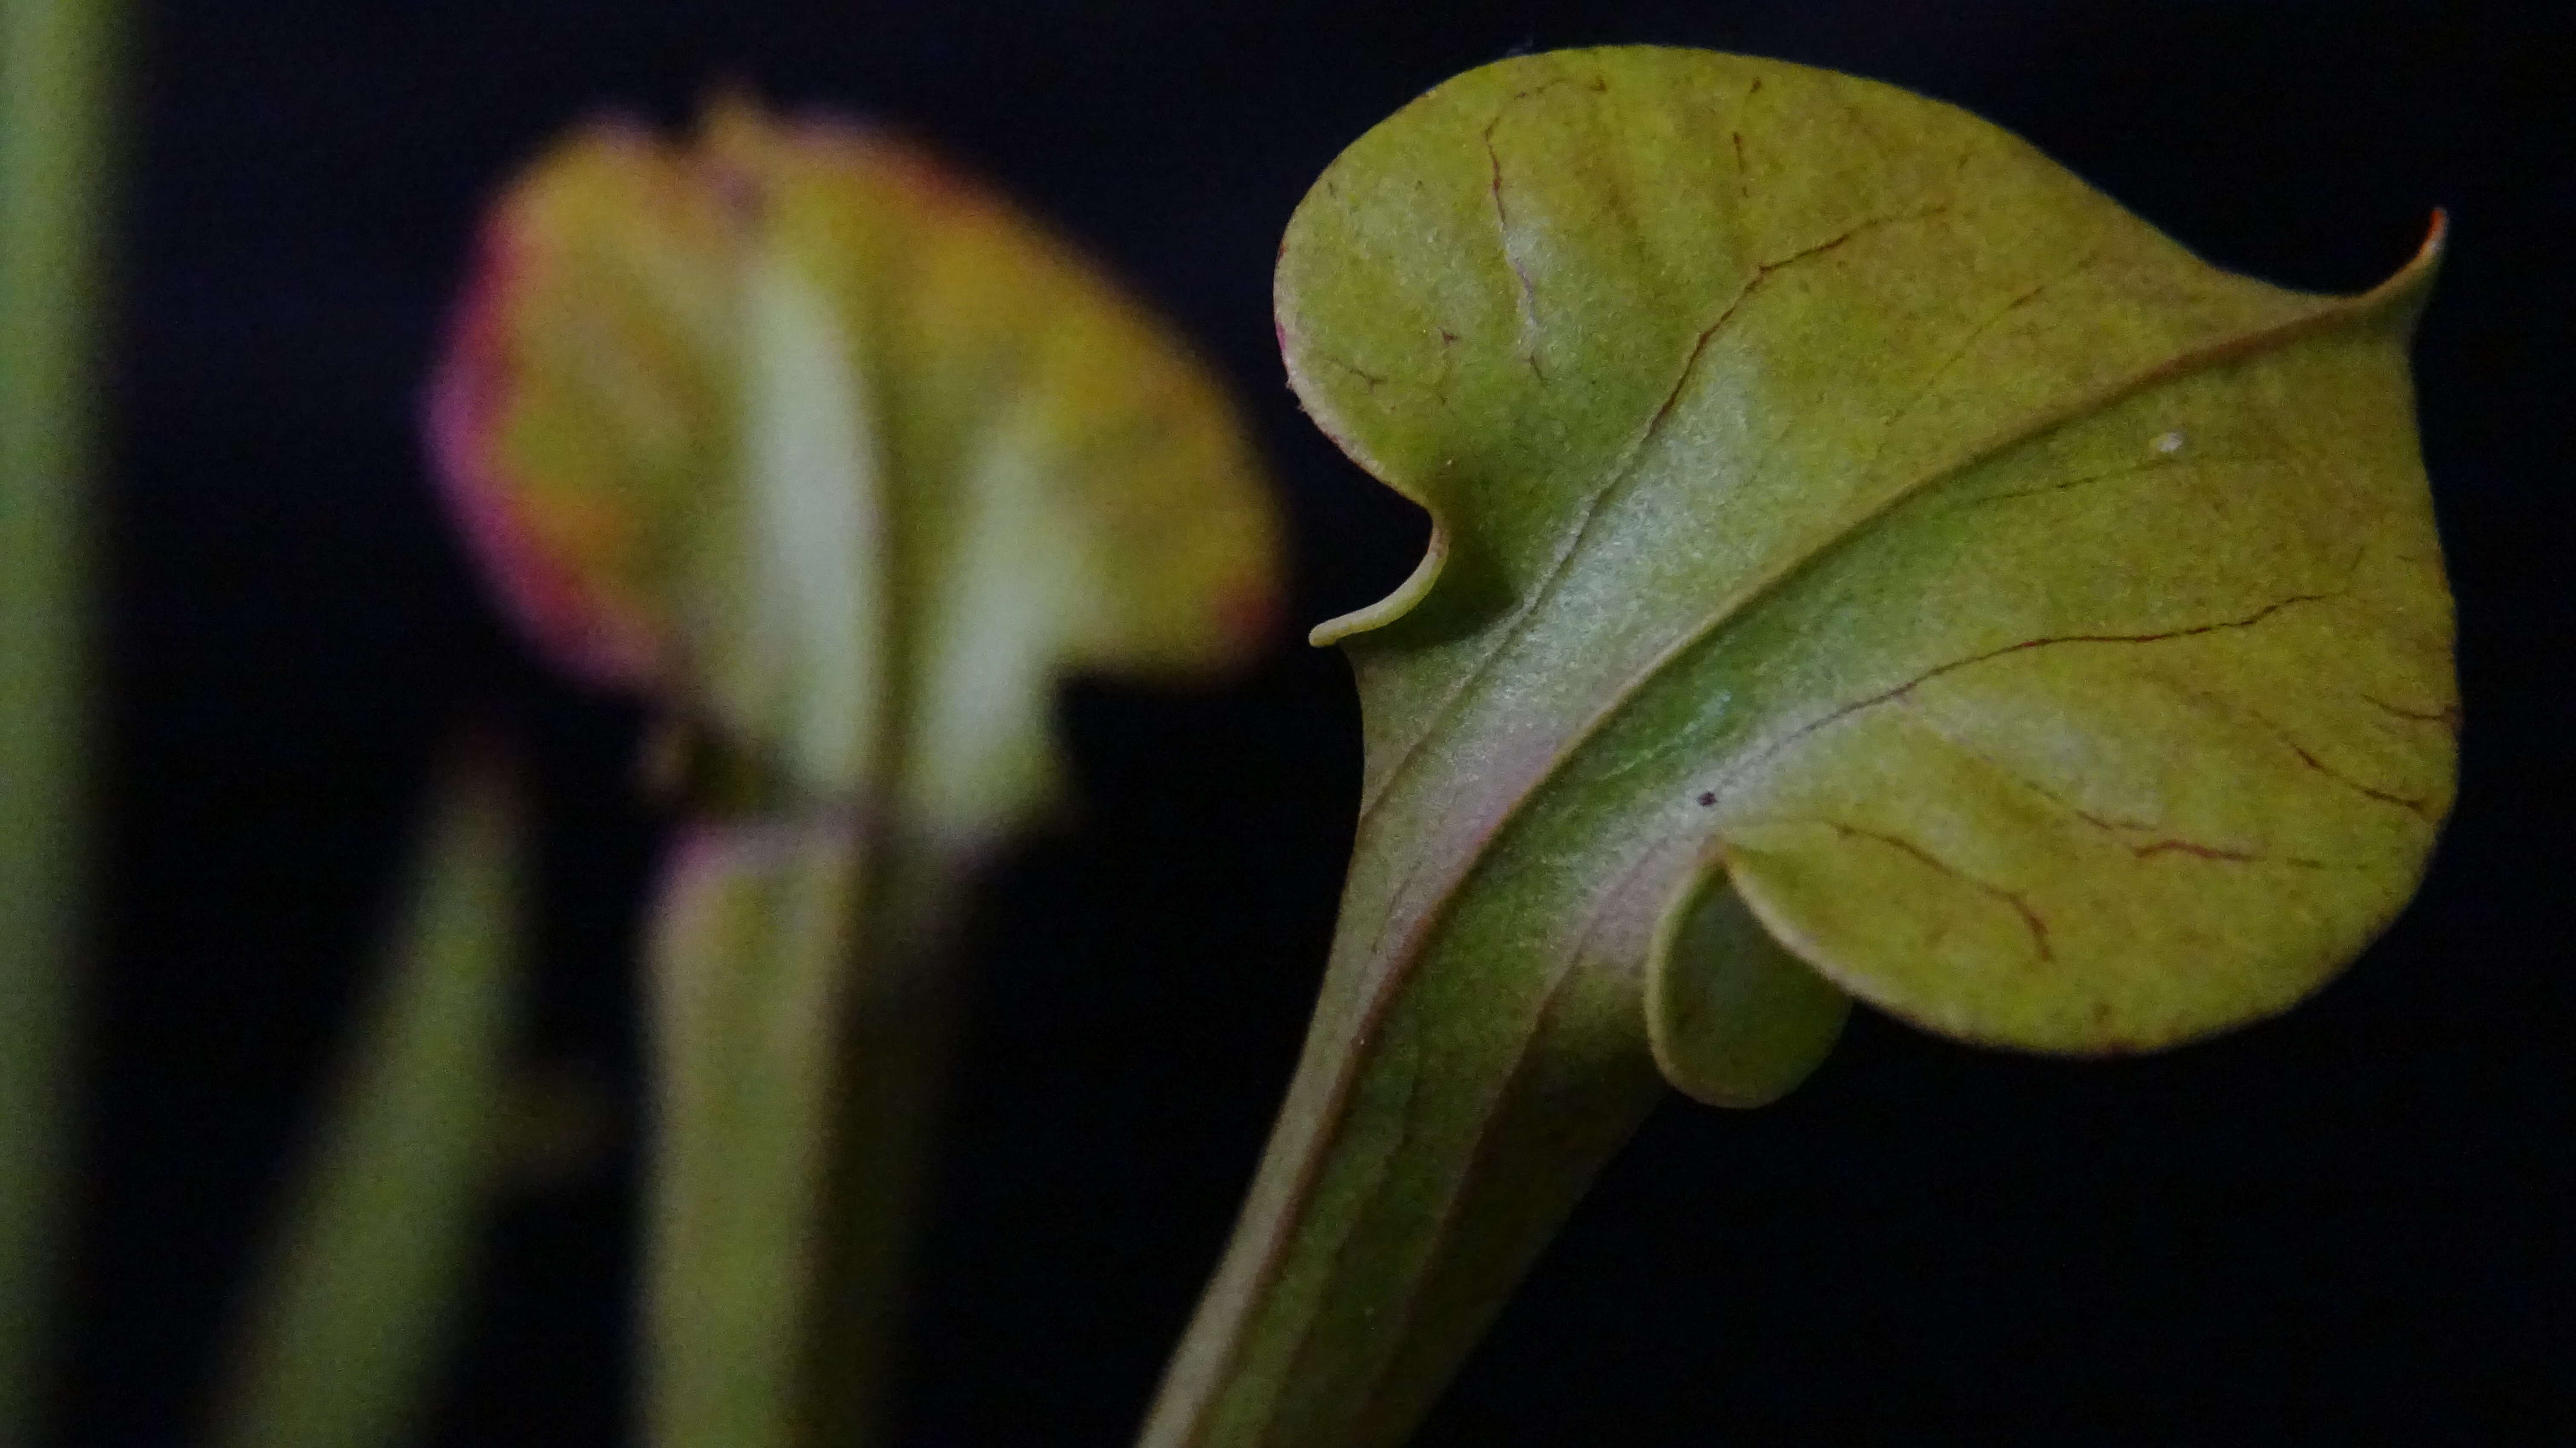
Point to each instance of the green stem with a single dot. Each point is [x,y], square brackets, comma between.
[799,1025]
[54,80]
[1416,1171]
[360,1294]
[897,1032]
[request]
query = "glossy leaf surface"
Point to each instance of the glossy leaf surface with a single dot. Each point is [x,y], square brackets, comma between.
[1845,520]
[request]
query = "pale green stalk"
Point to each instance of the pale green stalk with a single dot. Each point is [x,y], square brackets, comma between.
[54,76]
[357,1303]
[800,1013]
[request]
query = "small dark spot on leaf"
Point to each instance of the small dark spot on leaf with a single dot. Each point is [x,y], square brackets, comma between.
[1708,796]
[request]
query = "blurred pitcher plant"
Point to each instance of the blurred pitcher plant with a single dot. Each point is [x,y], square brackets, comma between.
[841,461]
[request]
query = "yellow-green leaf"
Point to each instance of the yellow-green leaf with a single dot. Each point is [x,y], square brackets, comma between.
[1845,520]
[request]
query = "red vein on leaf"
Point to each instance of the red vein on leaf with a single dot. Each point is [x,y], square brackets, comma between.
[2016,777]
[2021,905]
[2111,475]
[2186,847]
[1887,696]
[1372,381]
[1503,233]
[1762,272]
[1968,341]
[2111,824]
[2420,807]
[2448,718]
[2224,704]
[1621,472]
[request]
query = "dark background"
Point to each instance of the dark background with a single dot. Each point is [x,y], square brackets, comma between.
[2347,1224]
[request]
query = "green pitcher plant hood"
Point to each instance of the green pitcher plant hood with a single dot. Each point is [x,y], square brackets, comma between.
[1866,563]
[2042,629]
[840,454]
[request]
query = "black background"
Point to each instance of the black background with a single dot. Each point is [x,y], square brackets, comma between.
[2350,1223]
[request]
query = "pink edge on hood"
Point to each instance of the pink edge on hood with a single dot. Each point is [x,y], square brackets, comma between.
[578,628]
